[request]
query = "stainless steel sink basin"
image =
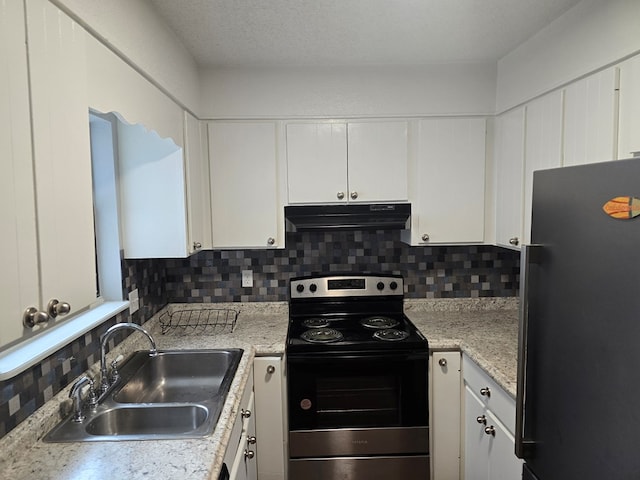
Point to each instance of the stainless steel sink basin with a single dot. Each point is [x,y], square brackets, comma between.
[175,394]
[144,420]
[176,376]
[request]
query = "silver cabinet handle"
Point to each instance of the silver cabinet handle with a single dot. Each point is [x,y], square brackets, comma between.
[271,369]
[56,307]
[271,241]
[340,195]
[251,440]
[245,413]
[32,317]
[249,454]
[485,392]
[425,237]
[354,195]
[481,419]
[442,362]
[490,430]
[515,241]
[530,255]
[197,245]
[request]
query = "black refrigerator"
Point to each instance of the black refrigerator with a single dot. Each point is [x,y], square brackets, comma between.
[578,404]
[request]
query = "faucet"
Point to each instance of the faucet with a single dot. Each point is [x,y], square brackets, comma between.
[76,395]
[104,383]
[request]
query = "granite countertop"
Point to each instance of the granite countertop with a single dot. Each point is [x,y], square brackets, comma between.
[485,329]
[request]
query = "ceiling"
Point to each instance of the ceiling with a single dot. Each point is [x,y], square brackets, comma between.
[354,32]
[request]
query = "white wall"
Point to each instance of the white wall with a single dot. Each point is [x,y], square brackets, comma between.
[455,89]
[591,35]
[133,29]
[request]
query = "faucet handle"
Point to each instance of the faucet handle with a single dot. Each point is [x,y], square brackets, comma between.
[115,375]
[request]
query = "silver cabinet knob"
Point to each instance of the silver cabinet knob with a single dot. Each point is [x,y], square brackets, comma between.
[425,237]
[249,454]
[251,440]
[515,241]
[485,392]
[271,369]
[481,419]
[490,430]
[354,195]
[271,241]
[55,308]
[245,413]
[340,195]
[32,317]
[442,362]
[197,245]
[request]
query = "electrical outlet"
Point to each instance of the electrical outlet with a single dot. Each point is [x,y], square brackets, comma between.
[247,278]
[134,301]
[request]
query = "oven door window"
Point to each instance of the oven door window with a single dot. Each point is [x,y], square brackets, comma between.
[357,392]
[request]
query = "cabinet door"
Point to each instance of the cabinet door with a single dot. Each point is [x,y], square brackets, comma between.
[509,147]
[62,158]
[503,462]
[444,425]
[377,155]
[19,279]
[629,126]
[450,192]
[270,417]
[197,176]
[244,464]
[590,119]
[543,145]
[244,191]
[317,162]
[476,447]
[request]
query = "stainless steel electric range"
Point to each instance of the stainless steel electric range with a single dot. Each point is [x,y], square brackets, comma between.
[357,381]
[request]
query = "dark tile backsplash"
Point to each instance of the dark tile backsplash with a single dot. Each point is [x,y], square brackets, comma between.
[215,276]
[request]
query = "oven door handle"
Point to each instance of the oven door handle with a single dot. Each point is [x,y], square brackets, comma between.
[325,357]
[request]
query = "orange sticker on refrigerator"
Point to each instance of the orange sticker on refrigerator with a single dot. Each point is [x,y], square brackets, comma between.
[622,208]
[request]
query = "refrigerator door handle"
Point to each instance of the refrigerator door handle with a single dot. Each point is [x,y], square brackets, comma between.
[529,254]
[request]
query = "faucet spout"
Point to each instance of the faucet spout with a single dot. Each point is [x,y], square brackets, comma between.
[104,339]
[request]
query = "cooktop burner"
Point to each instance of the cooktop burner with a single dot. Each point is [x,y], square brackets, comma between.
[316,322]
[378,322]
[390,335]
[322,335]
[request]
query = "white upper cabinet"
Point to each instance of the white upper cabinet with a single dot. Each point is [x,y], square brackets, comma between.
[197,177]
[62,158]
[246,212]
[377,158]
[509,151]
[448,187]
[317,162]
[347,162]
[543,147]
[590,119]
[19,253]
[629,126]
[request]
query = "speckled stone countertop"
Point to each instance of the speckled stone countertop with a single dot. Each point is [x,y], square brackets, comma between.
[485,329]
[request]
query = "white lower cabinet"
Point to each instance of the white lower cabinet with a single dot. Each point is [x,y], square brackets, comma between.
[240,456]
[489,422]
[270,408]
[444,421]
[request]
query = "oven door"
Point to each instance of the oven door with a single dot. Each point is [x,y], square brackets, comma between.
[357,391]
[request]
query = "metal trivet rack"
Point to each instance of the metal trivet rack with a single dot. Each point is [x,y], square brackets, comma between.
[205,320]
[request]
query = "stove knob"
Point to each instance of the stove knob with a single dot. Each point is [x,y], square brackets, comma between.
[313,287]
[380,286]
[300,288]
[393,285]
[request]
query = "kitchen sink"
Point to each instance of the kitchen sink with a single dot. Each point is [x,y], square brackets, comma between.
[175,394]
[177,376]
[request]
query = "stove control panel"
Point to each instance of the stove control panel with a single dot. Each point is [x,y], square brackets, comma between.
[347,286]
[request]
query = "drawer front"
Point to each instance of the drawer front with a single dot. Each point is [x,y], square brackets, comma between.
[238,423]
[498,401]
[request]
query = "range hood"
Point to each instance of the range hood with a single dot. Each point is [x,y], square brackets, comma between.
[387,216]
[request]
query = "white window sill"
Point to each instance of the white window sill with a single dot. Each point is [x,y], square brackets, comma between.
[28,353]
